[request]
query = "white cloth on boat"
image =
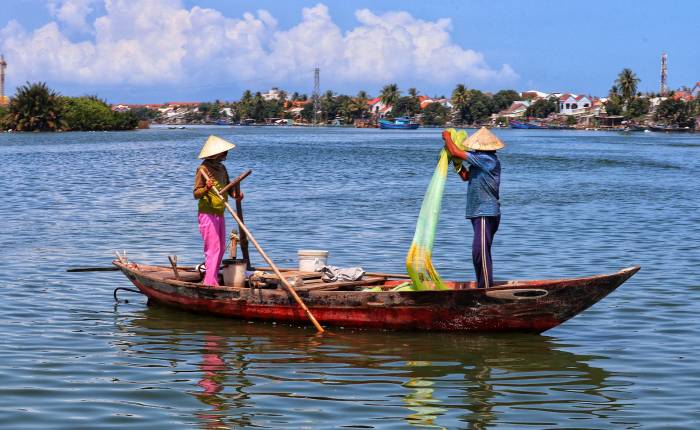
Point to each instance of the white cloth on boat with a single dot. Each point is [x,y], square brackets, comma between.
[333,273]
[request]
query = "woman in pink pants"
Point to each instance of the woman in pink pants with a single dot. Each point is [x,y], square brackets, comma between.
[211,208]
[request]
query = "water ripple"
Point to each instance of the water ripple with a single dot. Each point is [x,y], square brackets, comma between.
[574,203]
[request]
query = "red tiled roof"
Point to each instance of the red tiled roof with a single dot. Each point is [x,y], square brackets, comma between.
[425,103]
[374,101]
[685,95]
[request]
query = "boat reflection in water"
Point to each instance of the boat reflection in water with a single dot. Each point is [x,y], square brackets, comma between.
[248,375]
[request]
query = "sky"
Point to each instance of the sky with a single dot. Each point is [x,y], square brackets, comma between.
[153,51]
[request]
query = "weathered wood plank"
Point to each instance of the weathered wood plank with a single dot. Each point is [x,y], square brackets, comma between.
[292,274]
[334,285]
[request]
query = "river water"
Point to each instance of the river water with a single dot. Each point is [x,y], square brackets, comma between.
[574,203]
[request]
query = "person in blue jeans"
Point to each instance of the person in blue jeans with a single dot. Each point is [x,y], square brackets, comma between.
[483,206]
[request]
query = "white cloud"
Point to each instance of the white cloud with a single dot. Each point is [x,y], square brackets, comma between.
[160,41]
[72,13]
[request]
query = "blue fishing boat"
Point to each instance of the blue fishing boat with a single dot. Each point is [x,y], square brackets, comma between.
[526,125]
[401,123]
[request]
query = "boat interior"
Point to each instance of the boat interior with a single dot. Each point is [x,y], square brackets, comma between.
[265,278]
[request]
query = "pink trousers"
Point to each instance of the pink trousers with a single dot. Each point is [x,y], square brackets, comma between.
[213,230]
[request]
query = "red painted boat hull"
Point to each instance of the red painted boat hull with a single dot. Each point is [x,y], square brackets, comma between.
[528,306]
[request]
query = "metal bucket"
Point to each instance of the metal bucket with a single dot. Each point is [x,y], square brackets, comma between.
[234,272]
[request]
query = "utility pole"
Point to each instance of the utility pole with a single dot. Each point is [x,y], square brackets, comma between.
[316,96]
[3,65]
[664,84]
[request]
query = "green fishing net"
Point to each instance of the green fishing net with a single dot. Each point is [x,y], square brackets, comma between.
[419,259]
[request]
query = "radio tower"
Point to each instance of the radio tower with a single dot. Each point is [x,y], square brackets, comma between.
[3,65]
[664,86]
[316,96]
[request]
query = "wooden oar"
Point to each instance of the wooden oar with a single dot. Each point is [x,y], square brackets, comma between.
[114,269]
[92,269]
[236,182]
[286,284]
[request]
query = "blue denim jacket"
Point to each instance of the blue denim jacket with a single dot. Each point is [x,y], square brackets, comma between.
[484,182]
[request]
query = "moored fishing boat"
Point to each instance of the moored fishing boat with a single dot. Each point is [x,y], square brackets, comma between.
[526,125]
[669,128]
[528,306]
[401,123]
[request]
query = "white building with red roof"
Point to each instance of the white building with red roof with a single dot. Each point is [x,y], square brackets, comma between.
[377,107]
[572,104]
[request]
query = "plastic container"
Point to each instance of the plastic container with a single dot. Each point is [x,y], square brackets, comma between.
[234,272]
[311,260]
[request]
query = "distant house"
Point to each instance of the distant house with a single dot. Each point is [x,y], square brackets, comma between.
[534,95]
[515,110]
[378,108]
[183,104]
[686,96]
[125,107]
[425,101]
[572,104]
[273,94]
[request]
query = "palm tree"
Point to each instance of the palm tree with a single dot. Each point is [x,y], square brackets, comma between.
[390,94]
[460,99]
[627,83]
[358,106]
[35,107]
[412,92]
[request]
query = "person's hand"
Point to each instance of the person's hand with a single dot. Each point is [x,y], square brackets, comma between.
[464,174]
[210,183]
[238,196]
[449,144]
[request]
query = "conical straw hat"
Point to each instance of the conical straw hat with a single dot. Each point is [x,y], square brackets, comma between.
[484,140]
[215,145]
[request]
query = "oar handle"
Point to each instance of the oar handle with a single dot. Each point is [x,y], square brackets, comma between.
[286,284]
[236,181]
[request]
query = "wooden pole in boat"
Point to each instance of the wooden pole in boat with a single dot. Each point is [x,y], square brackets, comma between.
[242,237]
[284,281]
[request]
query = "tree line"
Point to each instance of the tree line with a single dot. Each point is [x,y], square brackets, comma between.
[624,99]
[35,107]
[470,106]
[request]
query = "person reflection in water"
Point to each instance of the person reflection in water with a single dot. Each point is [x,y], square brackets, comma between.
[213,374]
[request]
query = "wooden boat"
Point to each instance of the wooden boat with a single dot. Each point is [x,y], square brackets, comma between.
[527,306]
[669,128]
[401,123]
[526,125]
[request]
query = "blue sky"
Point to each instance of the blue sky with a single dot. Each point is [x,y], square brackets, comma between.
[166,50]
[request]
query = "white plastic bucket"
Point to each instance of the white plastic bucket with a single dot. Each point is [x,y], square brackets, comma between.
[311,260]
[234,273]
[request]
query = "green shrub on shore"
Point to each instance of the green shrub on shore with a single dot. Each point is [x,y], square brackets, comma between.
[92,114]
[3,118]
[676,112]
[435,114]
[542,108]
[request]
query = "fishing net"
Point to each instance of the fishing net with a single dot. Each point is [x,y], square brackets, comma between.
[419,259]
